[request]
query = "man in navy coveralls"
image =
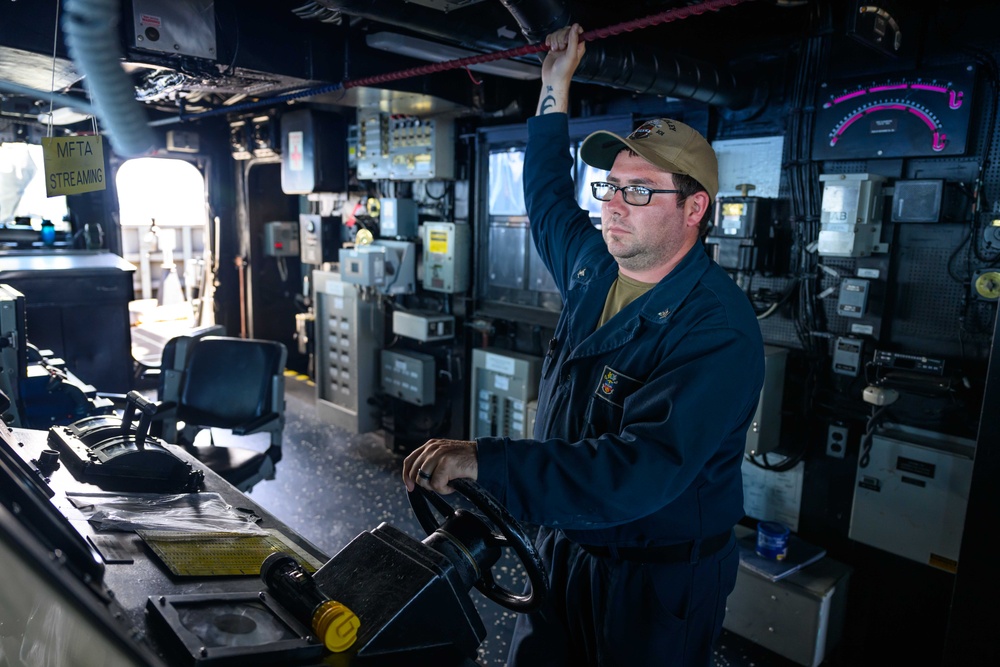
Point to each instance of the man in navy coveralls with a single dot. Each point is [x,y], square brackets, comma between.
[646,395]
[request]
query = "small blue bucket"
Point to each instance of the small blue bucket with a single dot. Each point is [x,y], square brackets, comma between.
[772,540]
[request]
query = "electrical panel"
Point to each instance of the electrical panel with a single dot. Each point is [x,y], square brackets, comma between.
[851,215]
[318,235]
[404,147]
[991,234]
[281,239]
[254,136]
[239,140]
[364,266]
[409,376]
[313,152]
[847,355]
[175,27]
[740,237]
[372,154]
[397,218]
[425,327]
[179,141]
[389,266]
[445,257]
[503,383]
[917,200]
[765,430]
[346,348]
[853,298]
[911,492]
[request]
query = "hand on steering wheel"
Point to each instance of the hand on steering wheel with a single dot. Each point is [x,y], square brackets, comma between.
[511,535]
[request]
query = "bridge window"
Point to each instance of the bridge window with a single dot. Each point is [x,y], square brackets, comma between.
[162,203]
[22,189]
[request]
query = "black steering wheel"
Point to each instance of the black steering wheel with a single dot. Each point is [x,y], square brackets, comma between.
[511,535]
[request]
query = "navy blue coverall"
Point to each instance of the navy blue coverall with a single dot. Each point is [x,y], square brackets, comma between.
[638,442]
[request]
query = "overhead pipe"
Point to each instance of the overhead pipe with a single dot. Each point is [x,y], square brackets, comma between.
[617,64]
[538,19]
[608,62]
[684,84]
[622,66]
[486,33]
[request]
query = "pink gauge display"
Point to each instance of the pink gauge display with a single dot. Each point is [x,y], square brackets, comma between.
[895,116]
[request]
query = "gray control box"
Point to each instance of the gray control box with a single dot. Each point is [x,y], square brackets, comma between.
[177,28]
[397,217]
[281,239]
[318,238]
[362,266]
[853,298]
[446,257]
[409,376]
[847,356]
[423,326]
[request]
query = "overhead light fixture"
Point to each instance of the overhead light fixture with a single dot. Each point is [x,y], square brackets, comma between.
[422,49]
[62,116]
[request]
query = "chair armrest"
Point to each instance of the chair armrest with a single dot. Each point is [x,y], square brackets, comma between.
[256,424]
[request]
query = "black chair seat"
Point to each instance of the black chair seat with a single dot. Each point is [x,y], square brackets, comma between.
[234,384]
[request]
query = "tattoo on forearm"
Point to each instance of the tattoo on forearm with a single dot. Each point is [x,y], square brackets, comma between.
[547,103]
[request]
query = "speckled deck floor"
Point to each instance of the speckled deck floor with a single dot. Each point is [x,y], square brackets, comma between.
[330,485]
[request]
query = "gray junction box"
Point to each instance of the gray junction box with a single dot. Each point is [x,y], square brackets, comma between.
[409,376]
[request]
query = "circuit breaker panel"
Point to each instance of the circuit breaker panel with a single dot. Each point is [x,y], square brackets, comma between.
[347,354]
[503,382]
[404,147]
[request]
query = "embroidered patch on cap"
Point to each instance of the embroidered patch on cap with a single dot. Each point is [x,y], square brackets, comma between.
[615,387]
[645,129]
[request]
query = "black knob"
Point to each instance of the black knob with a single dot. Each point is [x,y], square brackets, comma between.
[48,461]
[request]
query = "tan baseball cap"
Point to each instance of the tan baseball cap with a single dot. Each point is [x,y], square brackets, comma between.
[668,144]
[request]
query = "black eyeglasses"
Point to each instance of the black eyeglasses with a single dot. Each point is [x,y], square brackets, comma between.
[636,195]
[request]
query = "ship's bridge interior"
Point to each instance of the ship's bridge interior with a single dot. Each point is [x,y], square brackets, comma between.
[253,254]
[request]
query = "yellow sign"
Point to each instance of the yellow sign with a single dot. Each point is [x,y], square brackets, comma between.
[73,165]
[438,242]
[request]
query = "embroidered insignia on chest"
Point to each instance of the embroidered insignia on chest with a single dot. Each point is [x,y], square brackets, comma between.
[614,386]
[581,273]
[608,382]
